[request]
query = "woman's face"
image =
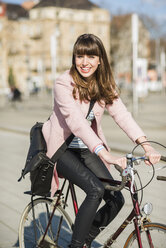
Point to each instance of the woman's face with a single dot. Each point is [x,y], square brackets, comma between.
[87,64]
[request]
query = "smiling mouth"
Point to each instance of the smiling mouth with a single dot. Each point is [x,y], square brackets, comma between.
[85,70]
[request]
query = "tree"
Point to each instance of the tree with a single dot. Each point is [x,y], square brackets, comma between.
[11,78]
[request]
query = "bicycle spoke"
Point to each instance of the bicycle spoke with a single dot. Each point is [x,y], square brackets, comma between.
[43,210]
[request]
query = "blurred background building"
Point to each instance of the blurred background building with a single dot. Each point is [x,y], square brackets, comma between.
[37,37]
[121,46]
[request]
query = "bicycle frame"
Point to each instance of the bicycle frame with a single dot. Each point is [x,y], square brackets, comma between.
[134,215]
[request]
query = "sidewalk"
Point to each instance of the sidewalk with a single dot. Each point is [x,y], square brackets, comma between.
[151,117]
[14,135]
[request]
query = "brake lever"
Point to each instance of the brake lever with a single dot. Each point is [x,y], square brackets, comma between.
[129,171]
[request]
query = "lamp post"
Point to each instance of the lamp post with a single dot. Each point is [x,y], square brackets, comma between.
[135,56]
[28,78]
[53,52]
[163,66]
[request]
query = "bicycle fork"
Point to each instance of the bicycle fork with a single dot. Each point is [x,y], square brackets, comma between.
[139,226]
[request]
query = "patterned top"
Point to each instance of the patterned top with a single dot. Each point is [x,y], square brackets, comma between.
[77,142]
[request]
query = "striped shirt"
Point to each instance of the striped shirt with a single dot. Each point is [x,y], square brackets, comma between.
[77,142]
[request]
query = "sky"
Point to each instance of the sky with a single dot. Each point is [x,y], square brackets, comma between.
[155,9]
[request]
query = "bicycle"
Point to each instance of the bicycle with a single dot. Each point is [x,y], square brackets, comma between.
[45,222]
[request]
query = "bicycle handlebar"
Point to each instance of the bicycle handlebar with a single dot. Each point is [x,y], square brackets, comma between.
[163,158]
[123,182]
[162,178]
[124,174]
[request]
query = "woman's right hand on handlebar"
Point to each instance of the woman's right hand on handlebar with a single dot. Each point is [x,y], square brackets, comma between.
[109,159]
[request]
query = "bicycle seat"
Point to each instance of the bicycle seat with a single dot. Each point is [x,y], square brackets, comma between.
[29,192]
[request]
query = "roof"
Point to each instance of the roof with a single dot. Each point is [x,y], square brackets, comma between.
[28,4]
[78,4]
[14,11]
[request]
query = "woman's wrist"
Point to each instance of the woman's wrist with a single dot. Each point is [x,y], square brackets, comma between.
[98,148]
[144,143]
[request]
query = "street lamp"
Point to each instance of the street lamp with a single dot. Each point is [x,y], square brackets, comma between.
[53,50]
[135,56]
[163,66]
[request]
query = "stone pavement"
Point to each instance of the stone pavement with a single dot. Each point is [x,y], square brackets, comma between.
[15,123]
[151,117]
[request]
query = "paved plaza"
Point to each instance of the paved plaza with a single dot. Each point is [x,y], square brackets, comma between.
[15,123]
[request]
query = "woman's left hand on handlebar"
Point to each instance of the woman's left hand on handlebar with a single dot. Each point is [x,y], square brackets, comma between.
[153,156]
[150,152]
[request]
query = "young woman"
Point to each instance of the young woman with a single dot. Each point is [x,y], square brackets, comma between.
[88,155]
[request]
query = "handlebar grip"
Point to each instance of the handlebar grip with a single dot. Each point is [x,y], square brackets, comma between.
[118,168]
[123,183]
[163,158]
[162,178]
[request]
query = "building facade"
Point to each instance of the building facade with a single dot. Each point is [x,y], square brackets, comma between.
[122,46]
[12,50]
[38,46]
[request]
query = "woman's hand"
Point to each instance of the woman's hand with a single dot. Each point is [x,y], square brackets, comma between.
[153,156]
[150,152]
[109,159]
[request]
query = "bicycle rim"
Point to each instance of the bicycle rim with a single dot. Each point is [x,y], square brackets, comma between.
[55,238]
[157,233]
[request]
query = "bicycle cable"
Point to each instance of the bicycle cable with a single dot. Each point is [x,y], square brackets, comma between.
[153,169]
[148,141]
[135,185]
[139,178]
[153,174]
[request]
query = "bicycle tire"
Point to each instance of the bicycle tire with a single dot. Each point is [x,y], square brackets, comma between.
[157,232]
[43,208]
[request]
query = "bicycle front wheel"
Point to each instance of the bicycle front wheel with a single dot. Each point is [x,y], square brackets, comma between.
[31,230]
[152,235]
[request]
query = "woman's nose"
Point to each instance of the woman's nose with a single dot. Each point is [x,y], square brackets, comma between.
[85,60]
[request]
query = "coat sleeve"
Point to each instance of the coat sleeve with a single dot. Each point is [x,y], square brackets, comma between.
[124,119]
[71,112]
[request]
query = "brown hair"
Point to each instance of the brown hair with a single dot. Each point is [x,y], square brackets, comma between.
[102,86]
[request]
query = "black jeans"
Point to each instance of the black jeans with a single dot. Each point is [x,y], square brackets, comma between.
[83,168]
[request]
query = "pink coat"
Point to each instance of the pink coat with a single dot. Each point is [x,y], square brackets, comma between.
[69,116]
